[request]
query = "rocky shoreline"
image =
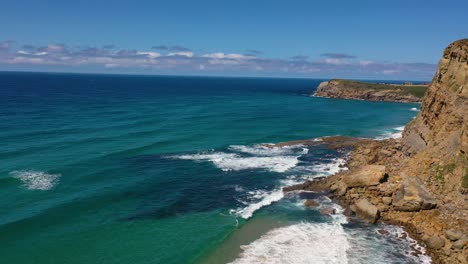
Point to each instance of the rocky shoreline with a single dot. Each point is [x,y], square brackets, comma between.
[373,191]
[419,181]
[347,89]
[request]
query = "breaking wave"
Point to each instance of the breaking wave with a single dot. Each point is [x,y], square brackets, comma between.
[396,132]
[277,159]
[260,198]
[263,198]
[299,243]
[235,162]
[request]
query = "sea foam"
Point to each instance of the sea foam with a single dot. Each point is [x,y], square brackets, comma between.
[271,158]
[261,198]
[299,243]
[277,159]
[370,245]
[235,162]
[264,150]
[396,132]
[36,180]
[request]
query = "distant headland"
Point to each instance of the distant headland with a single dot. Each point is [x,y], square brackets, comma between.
[350,89]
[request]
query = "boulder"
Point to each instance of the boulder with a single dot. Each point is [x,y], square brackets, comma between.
[454,234]
[311,203]
[328,211]
[460,244]
[365,176]
[413,196]
[339,188]
[366,211]
[435,242]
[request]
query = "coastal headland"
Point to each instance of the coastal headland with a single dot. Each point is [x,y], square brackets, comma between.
[351,89]
[419,181]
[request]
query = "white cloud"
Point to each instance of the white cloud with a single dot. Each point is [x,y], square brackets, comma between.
[230,56]
[224,62]
[149,54]
[188,54]
[333,61]
[57,54]
[22,52]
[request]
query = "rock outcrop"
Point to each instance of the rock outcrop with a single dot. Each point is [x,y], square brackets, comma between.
[435,242]
[413,196]
[366,211]
[369,175]
[440,131]
[347,89]
[442,124]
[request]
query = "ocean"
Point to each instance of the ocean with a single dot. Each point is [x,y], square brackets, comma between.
[165,169]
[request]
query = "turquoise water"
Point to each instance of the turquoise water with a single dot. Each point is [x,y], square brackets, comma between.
[139,169]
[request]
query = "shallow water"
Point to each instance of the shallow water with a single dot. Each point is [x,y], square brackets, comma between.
[140,169]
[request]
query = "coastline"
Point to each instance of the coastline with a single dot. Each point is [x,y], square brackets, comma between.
[417,224]
[315,223]
[420,180]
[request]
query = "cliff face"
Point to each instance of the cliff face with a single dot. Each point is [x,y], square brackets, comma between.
[347,89]
[442,125]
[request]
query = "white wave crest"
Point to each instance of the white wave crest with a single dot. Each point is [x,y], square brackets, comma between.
[299,243]
[396,132]
[263,150]
[36,180]
[414,109]
[263,198]
[230,161]
[331,168]
[260,198]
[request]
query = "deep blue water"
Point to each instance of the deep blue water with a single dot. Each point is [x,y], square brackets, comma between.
[146,169]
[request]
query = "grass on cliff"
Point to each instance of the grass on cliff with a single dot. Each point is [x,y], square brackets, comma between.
[416,90]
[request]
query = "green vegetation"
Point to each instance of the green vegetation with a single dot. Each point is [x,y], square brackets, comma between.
[416,90]
[442,170]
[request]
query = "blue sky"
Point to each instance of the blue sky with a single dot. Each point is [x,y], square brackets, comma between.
[317,39]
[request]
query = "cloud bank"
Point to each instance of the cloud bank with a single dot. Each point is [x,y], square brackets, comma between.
[179,59]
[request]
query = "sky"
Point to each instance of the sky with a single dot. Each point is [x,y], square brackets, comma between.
[386,40]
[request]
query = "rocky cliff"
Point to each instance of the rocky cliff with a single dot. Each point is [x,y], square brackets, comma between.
[347,89]
[421,180]
[442,124]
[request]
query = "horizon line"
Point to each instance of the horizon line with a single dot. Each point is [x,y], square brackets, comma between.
[209,76]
